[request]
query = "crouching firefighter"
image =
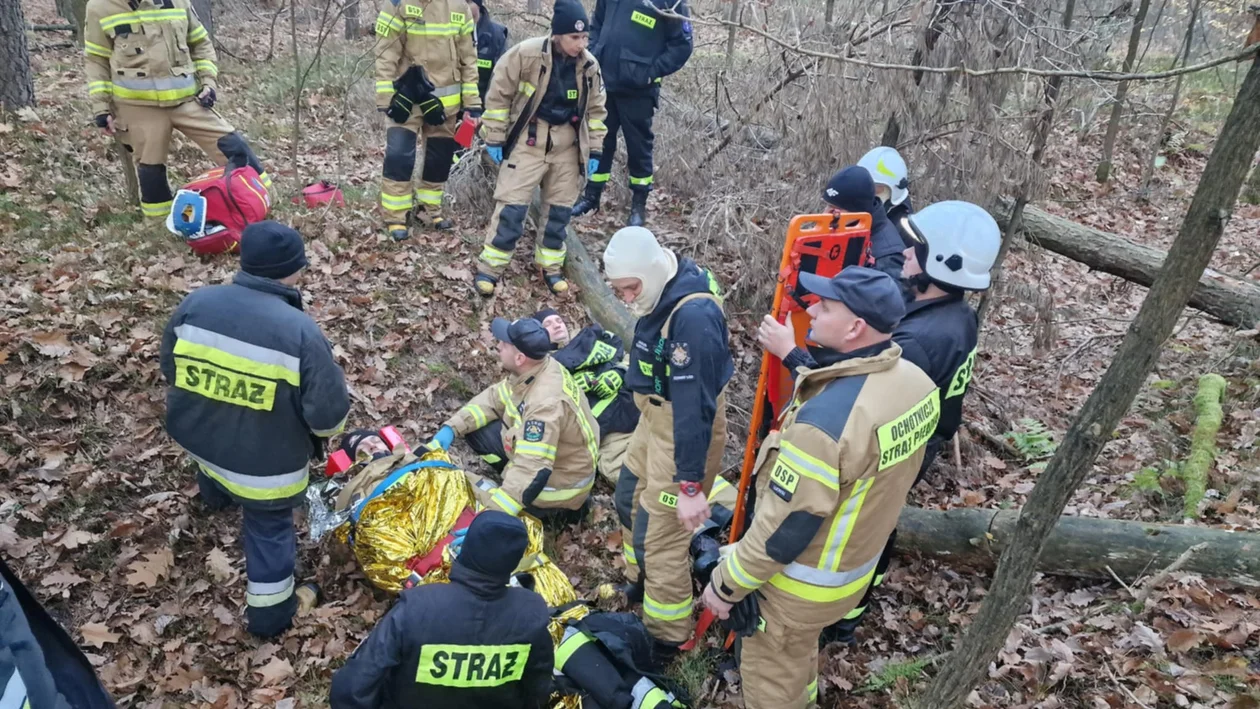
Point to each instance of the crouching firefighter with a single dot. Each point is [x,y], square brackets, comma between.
[547,433]
[831,483]
[151,69]
[254,394]
[435,39]
[544,112]
[472,643]
[680,363]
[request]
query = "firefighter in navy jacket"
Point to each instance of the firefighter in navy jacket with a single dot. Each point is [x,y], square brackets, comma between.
[473,643]
[254,391]
[680,362]
[492,41]
[636,46]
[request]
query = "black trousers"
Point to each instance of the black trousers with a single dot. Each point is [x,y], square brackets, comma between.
[632,115]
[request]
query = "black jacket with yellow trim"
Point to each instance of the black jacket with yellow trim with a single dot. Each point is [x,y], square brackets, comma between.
[252,379]
[468,644]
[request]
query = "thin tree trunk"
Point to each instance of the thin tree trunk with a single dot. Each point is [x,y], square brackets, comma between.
[534,6]
[829,14]
[129,172]
[1200,233]
[16,88]
[732,16]
[1252,194]
[205,13]
[297,90]
[352,19]
[1113,124]
[892,129]
[73,11]
[1148,171]
[1041,136]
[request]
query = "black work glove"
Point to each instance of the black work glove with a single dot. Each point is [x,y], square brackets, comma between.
[433,112]
[208,100]
[473,113]
[320,448]
[745,616]
[102,120]
[399,110]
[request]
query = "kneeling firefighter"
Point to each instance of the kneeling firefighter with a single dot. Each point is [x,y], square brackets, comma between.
[544,112]
[151,69]
[605,659]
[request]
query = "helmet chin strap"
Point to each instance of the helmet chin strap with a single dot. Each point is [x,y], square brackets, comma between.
[919,282]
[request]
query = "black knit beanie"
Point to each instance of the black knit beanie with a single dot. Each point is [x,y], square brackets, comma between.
[272,250]
[545,313]
[851,190]
[494,545]
[569,17]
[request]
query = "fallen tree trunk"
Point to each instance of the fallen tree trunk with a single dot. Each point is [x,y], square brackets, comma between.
[583,271]
[1082,546]
[1230,300]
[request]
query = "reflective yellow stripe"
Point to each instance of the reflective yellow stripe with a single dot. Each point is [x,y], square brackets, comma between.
[901,437]
[739,575]
[327,432]
[238,360]
[720,483]
[265,179]
[469,666]
[431,197]
[257,487]
[384,87]
[538,450]
[627,550]
[433,30]
[478,414]
[808,466]
[843,525]
[600,176]
[643,19]
[468,88]
[504,500]
[666,611]
[96,50]
[495,114]
[855,613]
[641,181]
[386,23]
[395,202]
[820,594]
[109,22]
[573,641]
[596,124]
[812,690]
[265,595]
[207,66]
[468,28]
[553,495]
[154,94]
[485,63]
[576,396]
[549,257]
[962,377]
[495,257]
[197,34]
[155,209]
[100,87]
[509,410]
[526,88]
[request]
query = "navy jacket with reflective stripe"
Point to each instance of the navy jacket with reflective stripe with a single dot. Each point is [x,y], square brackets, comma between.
[940,336]
[252,379]
[492,39]
[635,45]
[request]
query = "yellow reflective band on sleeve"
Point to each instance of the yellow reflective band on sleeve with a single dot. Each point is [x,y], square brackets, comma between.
[596,124]
[224,385]
[600,176]
[495,257]
[537,450]
[640,18]
[395,202]
[962,377]
[666,611]
[820,594]
[450,101]
[843,524]
[96,88]
[384,87]
[495,114]
[237,355]
[485,63]
[568,646]
[471,665]
[387,24]
[96,50]
[478,415]
[794,460]
[327,432]
[526,88]
[156,209]
[739,575]
[197,35]
[468,28]
[901,437]
[505,501]
[641,181]
[206,66]
[466,89]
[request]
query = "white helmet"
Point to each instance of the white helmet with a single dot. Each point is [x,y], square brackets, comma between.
[887,167]
[961,240]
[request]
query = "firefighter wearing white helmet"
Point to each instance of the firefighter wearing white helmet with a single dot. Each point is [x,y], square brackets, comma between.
[892,183]
[955,245]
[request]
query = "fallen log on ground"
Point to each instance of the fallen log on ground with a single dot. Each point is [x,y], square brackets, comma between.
[1230,300]
[1083,546]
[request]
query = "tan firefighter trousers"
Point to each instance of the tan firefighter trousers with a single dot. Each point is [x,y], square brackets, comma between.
[778,664]
[400,165]
[553,163]
[660,544]
[147,130]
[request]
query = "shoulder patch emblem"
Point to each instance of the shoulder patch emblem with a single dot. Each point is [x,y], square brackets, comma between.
[414,11]
[679,355]
[783,481]
[534,430]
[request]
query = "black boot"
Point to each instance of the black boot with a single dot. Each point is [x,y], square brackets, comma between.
[638,208]
[705,553]
[589,201]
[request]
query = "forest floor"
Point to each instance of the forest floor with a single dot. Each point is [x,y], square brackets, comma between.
[96,508]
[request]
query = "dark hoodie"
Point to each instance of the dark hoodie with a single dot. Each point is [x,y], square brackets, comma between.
[853,190]
[492,39]
[687,366]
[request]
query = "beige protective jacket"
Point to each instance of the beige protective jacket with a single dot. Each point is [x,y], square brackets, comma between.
[517,88]
[436,35]
[157,54]
[550,435]
[831,483]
